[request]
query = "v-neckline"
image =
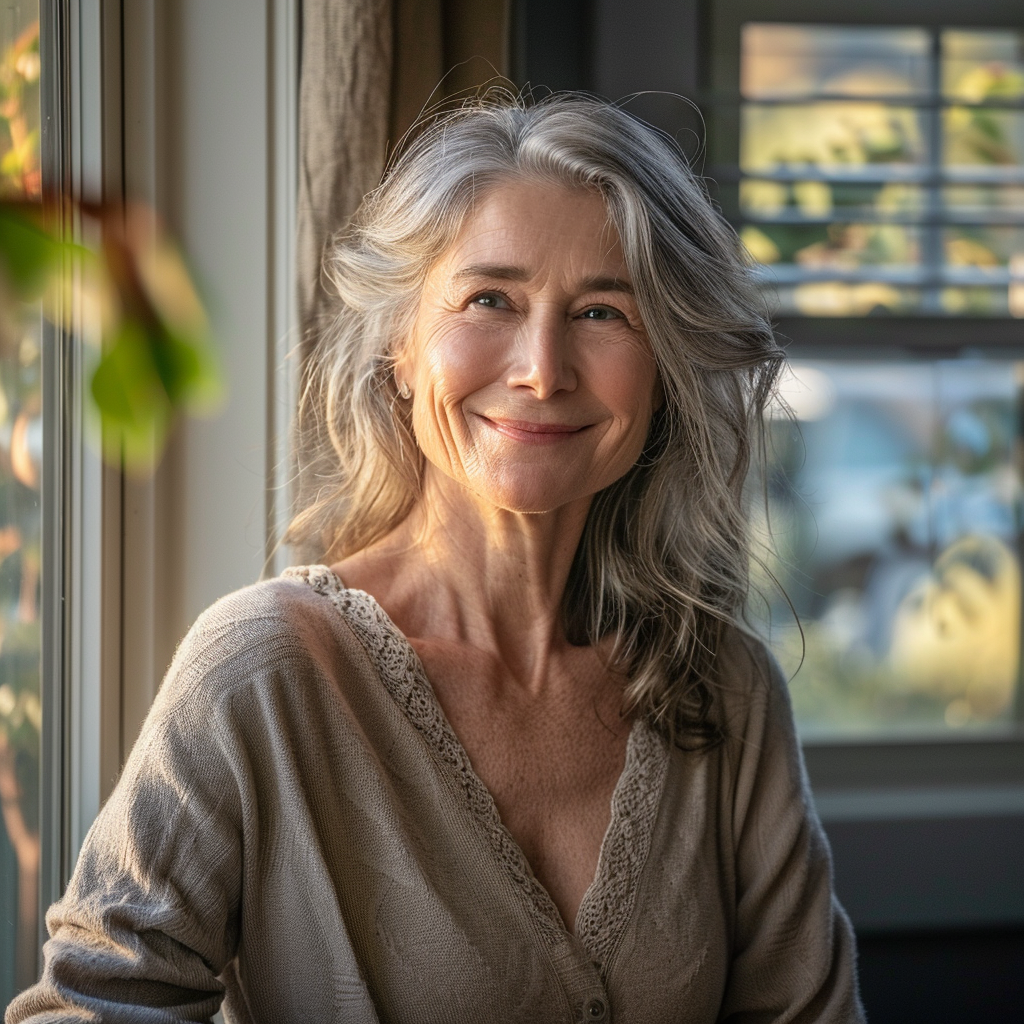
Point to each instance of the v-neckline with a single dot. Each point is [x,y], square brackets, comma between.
[608,901]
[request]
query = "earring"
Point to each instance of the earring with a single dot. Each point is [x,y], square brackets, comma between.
[404,390]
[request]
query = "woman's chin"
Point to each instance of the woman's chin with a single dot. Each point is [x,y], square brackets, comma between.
[532,497]
[528,490]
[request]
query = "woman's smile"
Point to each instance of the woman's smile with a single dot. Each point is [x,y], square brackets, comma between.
[529,432]
[532,378]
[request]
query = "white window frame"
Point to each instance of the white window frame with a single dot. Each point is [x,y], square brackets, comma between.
[192,108]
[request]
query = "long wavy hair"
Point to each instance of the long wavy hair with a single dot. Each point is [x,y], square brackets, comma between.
[662,566]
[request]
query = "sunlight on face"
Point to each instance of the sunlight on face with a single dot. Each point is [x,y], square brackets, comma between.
[533,381]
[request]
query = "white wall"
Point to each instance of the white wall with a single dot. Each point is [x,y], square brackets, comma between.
[209,139]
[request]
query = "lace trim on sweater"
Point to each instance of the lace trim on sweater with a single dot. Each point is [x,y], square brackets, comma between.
[607,904]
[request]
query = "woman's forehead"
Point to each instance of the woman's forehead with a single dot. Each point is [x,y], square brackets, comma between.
[518,227]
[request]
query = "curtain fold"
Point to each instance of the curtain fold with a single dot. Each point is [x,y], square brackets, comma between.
[344,113]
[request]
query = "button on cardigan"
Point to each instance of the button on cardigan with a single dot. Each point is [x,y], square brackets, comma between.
[299,833]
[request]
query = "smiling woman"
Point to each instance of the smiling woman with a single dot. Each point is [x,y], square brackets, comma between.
[525,757]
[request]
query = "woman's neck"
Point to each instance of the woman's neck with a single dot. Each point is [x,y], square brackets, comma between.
[456,572]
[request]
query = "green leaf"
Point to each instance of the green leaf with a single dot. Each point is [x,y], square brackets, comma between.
[145,376]
[133,405]
[29,255]
[177,363]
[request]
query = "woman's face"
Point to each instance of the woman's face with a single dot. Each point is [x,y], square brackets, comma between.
[533,381]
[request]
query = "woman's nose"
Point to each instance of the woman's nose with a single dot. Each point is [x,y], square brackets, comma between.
[542,360]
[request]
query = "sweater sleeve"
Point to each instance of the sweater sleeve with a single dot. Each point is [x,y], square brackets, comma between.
[150,916]
[794,954]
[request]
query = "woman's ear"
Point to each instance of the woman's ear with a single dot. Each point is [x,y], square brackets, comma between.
[400,367]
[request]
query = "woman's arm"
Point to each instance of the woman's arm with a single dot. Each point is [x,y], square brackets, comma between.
[794,955]
[150,917]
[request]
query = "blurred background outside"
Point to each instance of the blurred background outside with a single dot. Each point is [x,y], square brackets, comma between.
[20,523]
[881,174]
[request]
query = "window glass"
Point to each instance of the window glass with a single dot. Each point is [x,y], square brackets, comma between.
[894,502]
[980,65]
[20,526]
[881,169]
[845,60]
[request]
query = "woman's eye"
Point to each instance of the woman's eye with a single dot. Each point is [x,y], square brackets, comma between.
[601,313]
[491,300]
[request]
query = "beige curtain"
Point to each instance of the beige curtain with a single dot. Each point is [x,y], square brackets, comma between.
[368,68]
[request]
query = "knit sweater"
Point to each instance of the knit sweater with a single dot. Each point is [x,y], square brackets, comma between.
[299,833]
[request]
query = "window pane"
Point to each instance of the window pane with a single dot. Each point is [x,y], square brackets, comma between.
[984,139]
[881,170]
[800,60]
[895,505]
[840,136]
[815,199]
[843,298]
[982,249]
[20,527]
[982,65]
[987,203]
[828,248]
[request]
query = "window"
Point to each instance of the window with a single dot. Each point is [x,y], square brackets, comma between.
[922,815]
[881,169]
[876,173]
[140,102]
[894,500]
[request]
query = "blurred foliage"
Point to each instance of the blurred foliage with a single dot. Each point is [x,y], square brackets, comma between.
[19,120]
[157,355]
[158,352]
[890,519]
[30,258]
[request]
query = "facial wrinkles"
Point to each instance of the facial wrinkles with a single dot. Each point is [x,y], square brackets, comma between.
[444,403]
[462,355]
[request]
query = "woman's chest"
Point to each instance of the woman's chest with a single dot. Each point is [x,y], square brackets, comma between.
[550,761]
[382,873]
[411,897]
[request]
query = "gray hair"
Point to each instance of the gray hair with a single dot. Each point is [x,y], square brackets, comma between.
[663,562]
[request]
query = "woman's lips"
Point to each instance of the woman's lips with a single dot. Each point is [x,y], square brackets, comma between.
[529,432]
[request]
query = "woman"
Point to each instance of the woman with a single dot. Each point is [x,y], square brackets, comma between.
[541,774]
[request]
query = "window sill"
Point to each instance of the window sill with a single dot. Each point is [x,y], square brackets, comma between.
[925,834]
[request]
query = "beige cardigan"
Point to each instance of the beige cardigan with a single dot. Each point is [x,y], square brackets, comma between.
[299,832]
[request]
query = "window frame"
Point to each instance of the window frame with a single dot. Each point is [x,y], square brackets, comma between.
[76,489]
[811,337]
[121,583]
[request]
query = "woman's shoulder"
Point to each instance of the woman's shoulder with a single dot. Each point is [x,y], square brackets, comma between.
[303,622]
[750,683]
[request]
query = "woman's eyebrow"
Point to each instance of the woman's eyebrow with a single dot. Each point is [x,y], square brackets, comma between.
[606,284]
[502,271]
[509,272]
